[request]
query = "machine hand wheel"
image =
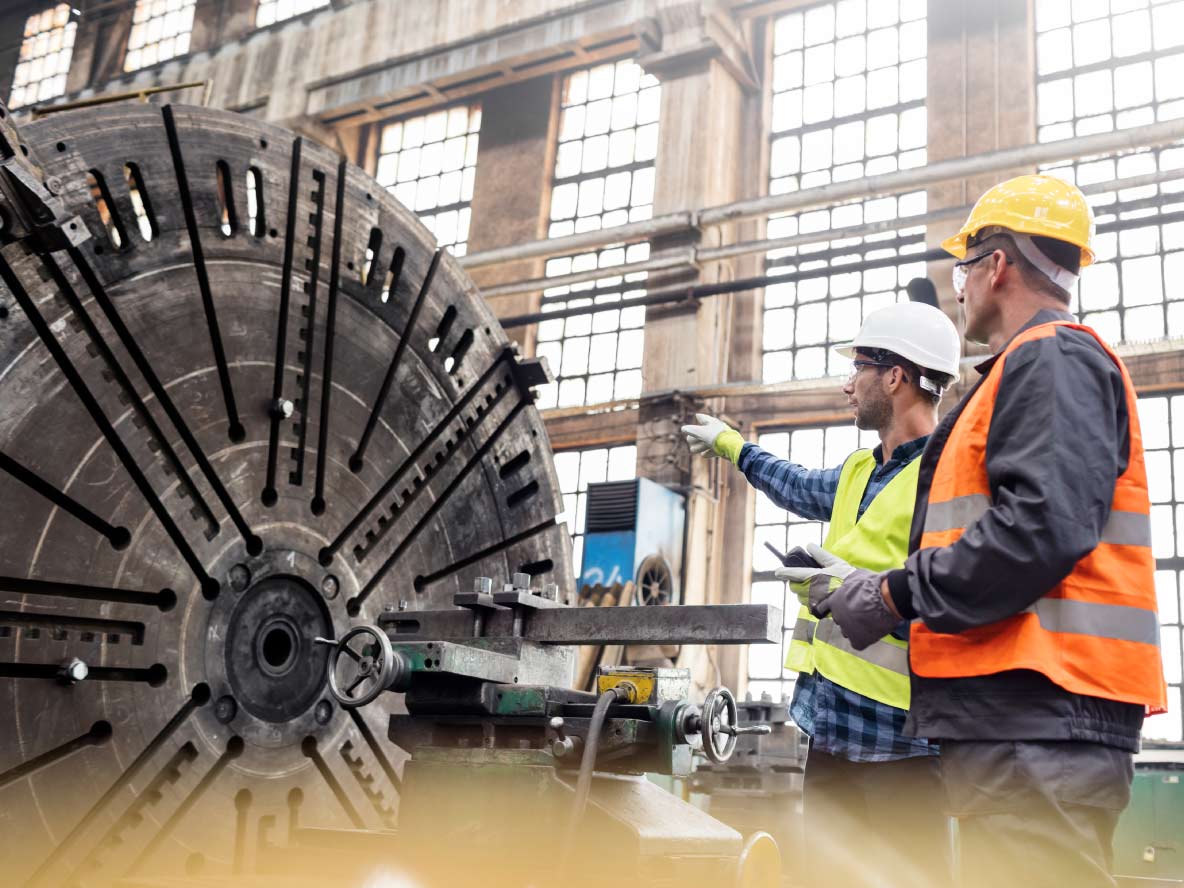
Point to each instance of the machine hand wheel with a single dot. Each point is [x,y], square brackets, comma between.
[719,720]
[369,662]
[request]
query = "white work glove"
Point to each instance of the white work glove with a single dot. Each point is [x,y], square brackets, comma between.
[813,584]
[713,437]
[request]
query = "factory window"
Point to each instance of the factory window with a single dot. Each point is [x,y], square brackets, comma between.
[271,11]
[45,55]
[160,31]
[604,176]
[1162,421]
[814,448]
[430,163]
[579,468]
[849,87]
[1102,67]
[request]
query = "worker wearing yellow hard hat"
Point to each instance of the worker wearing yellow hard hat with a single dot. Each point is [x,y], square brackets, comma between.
[1034,649]
[1040,206]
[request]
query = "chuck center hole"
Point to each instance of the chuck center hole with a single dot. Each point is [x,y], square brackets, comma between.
[276,648]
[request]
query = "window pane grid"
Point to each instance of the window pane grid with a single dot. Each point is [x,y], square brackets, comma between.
[579,468]
[1105,66]
[160,31]
[604,176]
[849,89]
[271,11]
[1162,423]
[44,61]
[813,447]
[430,164]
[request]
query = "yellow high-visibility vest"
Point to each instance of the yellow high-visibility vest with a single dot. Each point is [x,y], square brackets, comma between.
[878,541]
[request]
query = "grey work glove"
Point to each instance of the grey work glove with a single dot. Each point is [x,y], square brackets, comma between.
[859,609]
[812,585]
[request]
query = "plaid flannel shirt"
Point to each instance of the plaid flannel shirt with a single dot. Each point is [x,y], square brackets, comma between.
[840,721]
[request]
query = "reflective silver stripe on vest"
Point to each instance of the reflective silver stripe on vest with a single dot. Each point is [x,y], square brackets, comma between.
[882,654]
[803,630]
[1114,621]
[1127,529]
[957,513]
[1122,528]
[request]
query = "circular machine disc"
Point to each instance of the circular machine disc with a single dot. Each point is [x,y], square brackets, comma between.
[255,407]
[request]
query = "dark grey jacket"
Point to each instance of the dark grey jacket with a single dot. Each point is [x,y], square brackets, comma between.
[1059,439]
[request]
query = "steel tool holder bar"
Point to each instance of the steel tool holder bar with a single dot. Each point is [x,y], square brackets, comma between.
[684,624]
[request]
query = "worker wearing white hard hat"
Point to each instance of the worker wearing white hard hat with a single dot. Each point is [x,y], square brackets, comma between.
[866,781]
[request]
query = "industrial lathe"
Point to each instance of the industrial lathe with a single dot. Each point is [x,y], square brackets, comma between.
[283,597]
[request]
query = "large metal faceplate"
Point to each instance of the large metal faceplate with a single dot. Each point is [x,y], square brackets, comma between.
[256,406]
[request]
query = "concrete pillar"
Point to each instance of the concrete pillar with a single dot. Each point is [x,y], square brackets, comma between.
[207,24]
[512,191]
[706,73]
[738,499]
[982,97]
[232,20]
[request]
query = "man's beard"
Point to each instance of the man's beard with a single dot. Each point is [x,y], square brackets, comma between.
[874,415]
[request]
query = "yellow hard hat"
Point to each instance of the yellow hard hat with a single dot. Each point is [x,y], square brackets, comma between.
[1043,206]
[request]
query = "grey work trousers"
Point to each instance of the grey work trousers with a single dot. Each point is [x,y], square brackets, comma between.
[1040,815]
[874,824]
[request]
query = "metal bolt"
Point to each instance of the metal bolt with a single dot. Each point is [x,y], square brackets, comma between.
[225,709]
[766,697]
[562,747]
[323,712]
[551,590]
[282,408]
[240,577]
[556,723]
[483,585]
[403,605]
[521,581]
[330,586]
[53,185]
[73,671]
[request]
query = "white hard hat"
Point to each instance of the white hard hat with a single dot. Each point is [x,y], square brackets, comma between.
[916,331]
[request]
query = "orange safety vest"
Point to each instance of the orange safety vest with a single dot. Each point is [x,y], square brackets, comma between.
[1096,632]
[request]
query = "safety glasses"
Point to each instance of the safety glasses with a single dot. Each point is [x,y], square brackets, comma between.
[962,271]
[859,363]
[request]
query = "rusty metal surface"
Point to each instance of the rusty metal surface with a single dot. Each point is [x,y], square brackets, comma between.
[218,439]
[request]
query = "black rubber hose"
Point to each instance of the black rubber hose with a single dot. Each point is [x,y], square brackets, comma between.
[587,766]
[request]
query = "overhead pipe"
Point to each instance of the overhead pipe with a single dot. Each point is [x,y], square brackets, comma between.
[1151,136]
[693,257]
[695,292]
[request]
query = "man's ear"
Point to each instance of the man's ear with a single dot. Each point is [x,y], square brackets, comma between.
[1000,268]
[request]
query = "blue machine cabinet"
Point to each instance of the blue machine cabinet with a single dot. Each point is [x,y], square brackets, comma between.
[634,531]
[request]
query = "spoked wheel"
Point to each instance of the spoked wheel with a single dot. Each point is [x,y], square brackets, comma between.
[361,666]
[254,408]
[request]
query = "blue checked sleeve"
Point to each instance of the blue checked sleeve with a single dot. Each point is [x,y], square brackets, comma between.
[808,493]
